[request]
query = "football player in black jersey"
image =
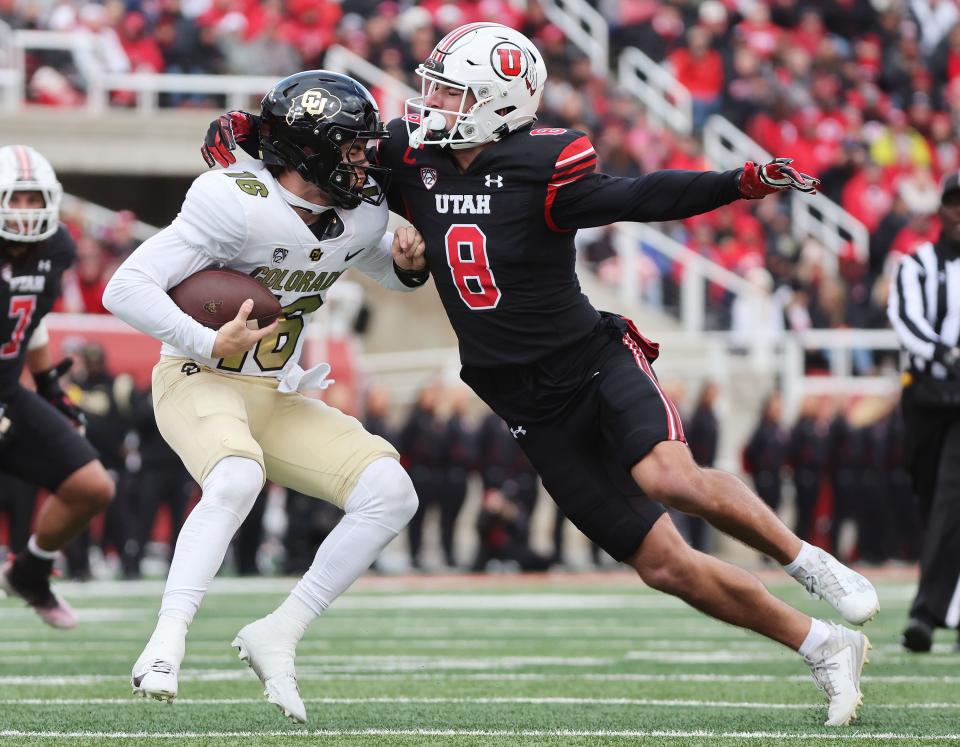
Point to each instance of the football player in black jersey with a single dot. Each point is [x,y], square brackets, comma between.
[39,438]
[498,201]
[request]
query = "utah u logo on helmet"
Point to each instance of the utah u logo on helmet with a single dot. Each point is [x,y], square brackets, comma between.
[510,62]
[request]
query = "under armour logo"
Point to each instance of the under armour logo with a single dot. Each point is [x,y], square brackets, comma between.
[189,368]
[491,180]
[518,431]
[44,265]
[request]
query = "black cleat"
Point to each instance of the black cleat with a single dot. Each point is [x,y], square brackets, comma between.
[917,636]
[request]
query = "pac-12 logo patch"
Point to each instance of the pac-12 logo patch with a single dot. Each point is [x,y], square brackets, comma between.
[428,176]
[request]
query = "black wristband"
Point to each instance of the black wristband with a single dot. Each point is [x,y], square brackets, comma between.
[411,278]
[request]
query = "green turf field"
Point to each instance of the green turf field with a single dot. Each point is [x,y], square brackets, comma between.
[571,660]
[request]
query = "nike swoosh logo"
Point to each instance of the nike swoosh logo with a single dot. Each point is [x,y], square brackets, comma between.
[348,257]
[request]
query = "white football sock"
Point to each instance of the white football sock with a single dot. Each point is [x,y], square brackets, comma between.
[229,492]
[39,552]
[819,632]
[806,552]
[378,508]
[168,640]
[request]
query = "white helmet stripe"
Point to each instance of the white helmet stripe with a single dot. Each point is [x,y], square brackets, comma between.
[446,42]
[23,162]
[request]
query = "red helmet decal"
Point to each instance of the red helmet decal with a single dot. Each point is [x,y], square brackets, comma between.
[508,60]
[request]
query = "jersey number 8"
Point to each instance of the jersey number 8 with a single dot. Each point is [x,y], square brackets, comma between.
[466,247]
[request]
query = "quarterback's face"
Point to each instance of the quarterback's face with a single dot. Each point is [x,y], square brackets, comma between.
[355,154]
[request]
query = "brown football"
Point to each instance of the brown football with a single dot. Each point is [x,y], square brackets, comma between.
[213,297]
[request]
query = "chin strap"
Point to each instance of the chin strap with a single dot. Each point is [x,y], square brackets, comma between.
[291,199]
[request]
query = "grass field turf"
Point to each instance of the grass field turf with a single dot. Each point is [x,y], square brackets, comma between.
[571,660]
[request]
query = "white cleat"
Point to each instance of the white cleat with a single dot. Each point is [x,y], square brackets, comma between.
[847,591]
[154,678]
[836,666]
[272,660]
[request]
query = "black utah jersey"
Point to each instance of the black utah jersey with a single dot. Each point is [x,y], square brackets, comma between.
[29,286]
[500,235]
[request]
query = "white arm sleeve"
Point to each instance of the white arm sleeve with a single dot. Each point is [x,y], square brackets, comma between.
[210,229]
[212,219]
[137,293]
[378,264]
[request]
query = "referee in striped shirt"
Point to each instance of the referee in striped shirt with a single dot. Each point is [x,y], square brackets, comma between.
[924,309]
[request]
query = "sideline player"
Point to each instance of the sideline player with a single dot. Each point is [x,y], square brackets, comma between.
[498,202]
[227,401]
[39,438]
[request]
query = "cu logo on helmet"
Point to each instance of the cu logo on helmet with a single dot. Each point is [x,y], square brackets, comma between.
[508,61]
[317,101]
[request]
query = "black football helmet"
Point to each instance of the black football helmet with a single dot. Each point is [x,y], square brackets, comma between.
[304,121]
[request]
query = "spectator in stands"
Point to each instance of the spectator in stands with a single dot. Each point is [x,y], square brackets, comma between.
[766,453]
[700,69]
[161,480]
[98,49]
[807,457]
[107,402]
[844,468]
[83,285]
[421,446]
[459,459]
[703,437]
[376,414]
[120,238]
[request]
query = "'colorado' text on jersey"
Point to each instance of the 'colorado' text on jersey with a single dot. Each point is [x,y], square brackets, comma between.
[500,235]
[239,219]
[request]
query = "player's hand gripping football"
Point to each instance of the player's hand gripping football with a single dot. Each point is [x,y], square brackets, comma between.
[48,387]
[228,131]
[757,181]
[235,337]
[408,247]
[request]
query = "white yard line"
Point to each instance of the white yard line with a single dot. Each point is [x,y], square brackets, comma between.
[561,700]
[224,675]
[672,734]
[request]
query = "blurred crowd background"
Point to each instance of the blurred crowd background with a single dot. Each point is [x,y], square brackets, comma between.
[864,94]
[835,474]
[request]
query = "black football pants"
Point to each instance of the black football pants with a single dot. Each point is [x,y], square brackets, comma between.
[938,598]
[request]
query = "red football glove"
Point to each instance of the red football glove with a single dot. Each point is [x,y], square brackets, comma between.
[756,181]
[226,133]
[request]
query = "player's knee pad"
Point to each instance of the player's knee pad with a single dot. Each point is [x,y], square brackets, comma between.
[384,493]
[233,484]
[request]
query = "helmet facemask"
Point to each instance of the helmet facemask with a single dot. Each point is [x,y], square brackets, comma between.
[472,126]
[31,173]
[311,122]
[499,66]
[321,160]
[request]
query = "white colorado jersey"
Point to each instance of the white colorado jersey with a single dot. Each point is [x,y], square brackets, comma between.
[238,218]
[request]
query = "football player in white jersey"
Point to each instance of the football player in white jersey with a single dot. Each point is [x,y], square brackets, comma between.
[228,401]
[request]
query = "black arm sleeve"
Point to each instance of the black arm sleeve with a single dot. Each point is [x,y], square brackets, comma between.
[600,199]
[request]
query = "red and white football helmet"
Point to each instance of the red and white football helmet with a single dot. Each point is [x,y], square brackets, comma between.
[500,66]
[22,169]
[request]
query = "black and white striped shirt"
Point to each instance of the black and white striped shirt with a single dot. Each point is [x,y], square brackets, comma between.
[924,307]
